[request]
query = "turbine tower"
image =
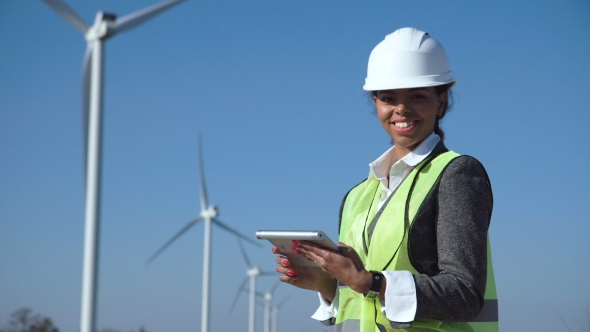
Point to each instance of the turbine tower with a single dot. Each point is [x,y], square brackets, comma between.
[209,215]
[251,273]
[105,26]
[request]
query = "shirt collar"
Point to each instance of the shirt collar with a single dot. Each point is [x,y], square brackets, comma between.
[379,169]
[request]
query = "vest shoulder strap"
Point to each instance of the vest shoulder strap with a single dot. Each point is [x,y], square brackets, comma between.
[342,204]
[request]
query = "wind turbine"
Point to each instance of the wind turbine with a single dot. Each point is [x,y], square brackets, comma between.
[270,314]
[209,215]
[263,300]
[268,296]
[105,26]
[274,312]
[251,273]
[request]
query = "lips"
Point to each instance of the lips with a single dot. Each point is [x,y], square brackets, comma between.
[404,126]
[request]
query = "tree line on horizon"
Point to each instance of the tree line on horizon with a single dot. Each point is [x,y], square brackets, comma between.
[23,320]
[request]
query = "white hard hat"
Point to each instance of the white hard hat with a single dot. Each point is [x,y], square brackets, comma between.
[407,58]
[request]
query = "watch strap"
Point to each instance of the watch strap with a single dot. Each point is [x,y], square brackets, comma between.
[375,288]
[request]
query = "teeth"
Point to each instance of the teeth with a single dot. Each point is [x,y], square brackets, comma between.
[403,124]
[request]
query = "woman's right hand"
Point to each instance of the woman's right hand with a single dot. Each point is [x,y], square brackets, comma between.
[305,277]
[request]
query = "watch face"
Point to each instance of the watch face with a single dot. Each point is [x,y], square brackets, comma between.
[375,287]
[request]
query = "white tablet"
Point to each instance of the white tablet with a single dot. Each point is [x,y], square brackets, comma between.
[284,240]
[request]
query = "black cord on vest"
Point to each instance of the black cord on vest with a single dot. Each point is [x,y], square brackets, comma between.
[407,207]
[365,246]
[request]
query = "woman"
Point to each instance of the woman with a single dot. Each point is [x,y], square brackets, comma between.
[413,236]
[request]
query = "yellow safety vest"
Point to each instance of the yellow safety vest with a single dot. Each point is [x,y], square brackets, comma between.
[388,250]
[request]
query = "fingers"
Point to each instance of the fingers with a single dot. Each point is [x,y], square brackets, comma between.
[282,260]
[342,244]
[287,279]
[286,268]
[287,275]
[307,248]
[312,252]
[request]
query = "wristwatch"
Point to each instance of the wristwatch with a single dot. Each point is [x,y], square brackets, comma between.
[375,288]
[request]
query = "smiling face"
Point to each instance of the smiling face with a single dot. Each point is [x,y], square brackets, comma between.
[408,115]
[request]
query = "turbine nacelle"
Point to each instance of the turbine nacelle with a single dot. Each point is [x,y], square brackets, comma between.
[253,272]
[104,26]
[268,296]
[210,213]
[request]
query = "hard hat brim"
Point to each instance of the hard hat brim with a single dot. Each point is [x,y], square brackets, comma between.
[411,82]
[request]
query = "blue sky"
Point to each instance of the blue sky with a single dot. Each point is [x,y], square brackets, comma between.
[275,88]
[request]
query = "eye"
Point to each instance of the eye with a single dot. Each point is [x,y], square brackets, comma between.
[388,99]
[418,96]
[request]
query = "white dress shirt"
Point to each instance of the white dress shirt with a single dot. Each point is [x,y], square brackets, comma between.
[400,294]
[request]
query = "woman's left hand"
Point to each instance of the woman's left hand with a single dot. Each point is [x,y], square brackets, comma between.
[345,265]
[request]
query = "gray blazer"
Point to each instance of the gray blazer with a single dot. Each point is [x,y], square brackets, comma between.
[447,241]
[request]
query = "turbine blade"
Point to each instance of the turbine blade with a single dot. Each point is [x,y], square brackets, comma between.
[237,296]
[244,254]
[257,293]
[86,99]
[274,287]
[283,302]
[134,19]
[234,232]
[174,238]
[202,176]
[68,14]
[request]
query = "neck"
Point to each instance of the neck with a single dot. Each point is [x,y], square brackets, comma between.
[402,151]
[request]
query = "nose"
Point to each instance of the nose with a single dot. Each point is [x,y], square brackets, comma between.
[401,109]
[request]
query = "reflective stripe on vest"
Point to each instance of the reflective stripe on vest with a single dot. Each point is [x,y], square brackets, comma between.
[388,250]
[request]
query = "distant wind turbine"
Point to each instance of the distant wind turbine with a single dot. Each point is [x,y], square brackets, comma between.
[274,312]
[105,26]
[270,313]
[251,273]
[268,296]
[208,214]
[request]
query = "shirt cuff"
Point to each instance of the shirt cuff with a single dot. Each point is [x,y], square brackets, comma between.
[326,311]
[400,296]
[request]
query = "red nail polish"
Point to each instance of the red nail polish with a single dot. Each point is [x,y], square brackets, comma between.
[298,252]
[295,276]
[294,248]
[291,272]
[285,262]
[309,259]
[295,242]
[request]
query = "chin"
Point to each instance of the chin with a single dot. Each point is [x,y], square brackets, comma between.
[405,142]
